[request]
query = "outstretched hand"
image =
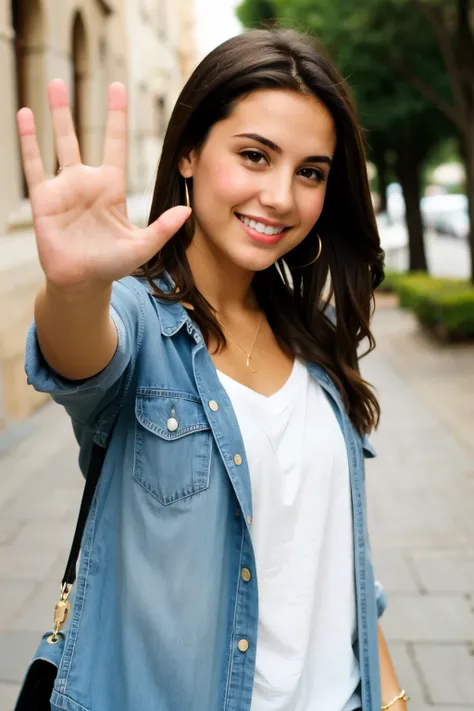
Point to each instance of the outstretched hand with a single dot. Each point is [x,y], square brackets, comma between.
[80,219]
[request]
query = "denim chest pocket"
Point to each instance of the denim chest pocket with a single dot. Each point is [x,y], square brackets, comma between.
[173,444]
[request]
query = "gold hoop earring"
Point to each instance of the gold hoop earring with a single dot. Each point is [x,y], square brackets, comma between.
[320,249]
[188,201]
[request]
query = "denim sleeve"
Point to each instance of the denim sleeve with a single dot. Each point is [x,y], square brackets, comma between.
[94,402]
[369,451]
[381,598]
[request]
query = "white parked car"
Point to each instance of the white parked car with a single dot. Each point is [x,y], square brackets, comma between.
[395,203]
[447,214]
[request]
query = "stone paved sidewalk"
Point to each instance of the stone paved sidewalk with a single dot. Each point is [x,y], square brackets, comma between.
[421,509]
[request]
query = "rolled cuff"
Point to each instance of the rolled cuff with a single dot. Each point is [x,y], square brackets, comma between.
[381,599]
[44,379]
[369,451]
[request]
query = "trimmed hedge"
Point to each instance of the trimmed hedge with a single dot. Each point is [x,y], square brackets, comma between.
[390,281]
[444,306]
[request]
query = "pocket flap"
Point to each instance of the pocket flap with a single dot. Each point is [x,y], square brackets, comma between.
[170,414]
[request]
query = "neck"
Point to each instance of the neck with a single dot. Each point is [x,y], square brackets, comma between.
[225,285]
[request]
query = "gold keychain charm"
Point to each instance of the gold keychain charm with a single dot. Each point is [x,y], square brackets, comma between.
[61,612]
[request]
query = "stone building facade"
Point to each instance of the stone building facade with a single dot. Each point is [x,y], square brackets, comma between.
[146,44]
[159,39]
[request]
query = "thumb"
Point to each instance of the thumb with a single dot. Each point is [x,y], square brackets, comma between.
[152,238]
[169,223]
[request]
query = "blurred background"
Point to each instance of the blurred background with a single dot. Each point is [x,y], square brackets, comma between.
[410,65]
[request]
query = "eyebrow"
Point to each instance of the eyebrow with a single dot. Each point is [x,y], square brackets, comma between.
[274,147]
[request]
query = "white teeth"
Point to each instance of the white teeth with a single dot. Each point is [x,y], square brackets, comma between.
[260,227]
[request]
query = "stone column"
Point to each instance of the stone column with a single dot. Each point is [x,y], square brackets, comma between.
[35,63]
[11,181]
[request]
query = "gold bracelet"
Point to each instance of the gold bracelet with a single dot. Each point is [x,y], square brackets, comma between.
[402,696]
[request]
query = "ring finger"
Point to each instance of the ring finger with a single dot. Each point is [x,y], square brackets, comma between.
[67,145]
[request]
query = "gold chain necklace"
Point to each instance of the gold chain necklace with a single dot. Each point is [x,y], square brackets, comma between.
[248,361]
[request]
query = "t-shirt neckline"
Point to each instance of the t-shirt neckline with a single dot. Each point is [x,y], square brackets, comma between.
[279,399]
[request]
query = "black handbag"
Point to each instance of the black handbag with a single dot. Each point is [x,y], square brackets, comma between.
[37,687]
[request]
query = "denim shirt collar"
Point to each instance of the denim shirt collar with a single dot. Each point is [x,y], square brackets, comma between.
[172,315]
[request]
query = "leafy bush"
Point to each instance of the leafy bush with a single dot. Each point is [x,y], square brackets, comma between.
[389,283]
[444,306]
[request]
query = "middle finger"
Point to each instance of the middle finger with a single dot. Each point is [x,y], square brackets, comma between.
[67,145]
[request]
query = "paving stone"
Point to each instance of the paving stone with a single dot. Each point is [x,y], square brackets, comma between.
[52,535]
[445,571]
[9,529]
[439,707]
[37,614]
[448,671]
[49,504]
[25,465]
[13,596]
[393,571]
[444,526]
[428,619]
[25,563]
[407,674]
[16,652]
[8,696]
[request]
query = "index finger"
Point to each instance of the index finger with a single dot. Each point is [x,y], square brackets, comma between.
[30,153]
[115,146]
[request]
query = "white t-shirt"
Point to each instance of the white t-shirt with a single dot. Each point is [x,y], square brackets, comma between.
[303,541]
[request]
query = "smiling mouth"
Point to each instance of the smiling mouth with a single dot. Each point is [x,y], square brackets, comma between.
[261,227]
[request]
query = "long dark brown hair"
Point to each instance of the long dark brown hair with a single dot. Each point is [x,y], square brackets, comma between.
[351,262]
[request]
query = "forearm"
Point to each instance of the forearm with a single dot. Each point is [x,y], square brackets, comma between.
[76,335]
[390,686]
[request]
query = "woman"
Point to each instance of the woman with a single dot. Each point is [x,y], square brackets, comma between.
[239,416]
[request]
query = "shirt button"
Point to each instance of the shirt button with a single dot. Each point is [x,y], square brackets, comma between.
[249,520]
[213,405]
[172,424]
[243,645]
[237,459]
[246,575]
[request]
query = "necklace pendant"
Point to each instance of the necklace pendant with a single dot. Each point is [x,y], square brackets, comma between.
[248,363]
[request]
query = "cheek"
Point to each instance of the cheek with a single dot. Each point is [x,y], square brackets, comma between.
[228,183]
[311,209]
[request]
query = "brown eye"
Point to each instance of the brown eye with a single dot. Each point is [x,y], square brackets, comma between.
[312,174]
[253,156]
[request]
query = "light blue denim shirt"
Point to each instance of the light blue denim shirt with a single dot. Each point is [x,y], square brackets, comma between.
[160,604]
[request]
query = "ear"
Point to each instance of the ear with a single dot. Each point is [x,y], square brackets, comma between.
[186,164]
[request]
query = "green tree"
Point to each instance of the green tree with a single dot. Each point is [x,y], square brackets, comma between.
[451,25]
[398,121]
[256,12]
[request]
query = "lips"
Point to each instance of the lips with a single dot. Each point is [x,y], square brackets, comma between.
[263,220]
[261,237]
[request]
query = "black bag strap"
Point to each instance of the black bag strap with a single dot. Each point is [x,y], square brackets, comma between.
[93,473]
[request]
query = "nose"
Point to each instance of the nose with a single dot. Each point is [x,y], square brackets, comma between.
[277,193]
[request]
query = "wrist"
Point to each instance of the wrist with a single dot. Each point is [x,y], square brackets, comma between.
[397,702]
[81,293]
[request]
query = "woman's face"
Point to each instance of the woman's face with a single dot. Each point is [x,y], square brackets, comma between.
[260,179]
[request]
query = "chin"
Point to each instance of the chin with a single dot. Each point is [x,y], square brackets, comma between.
[254,262]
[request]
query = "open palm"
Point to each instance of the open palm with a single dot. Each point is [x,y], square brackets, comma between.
[82,231]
